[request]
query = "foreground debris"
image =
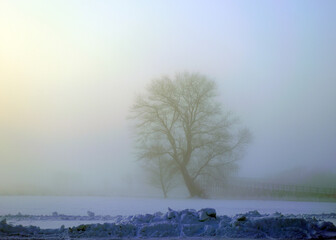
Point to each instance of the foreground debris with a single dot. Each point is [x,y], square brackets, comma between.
[185,223]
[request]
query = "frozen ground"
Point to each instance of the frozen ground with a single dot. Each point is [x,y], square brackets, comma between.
[187,223]
[129,206]
[138,214]
[32,205]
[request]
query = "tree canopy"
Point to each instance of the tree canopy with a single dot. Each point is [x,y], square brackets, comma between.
[182,129]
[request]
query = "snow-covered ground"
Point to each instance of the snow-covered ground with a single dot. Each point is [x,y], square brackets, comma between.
[204,223]
[137,214]
[130,206]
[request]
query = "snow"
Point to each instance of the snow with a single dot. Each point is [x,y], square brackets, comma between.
[186,223]
[87,217]
[129,206]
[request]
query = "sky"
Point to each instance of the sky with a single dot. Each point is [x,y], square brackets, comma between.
[70,70]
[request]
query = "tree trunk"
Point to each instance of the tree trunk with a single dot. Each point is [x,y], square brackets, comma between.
[164,193]
[193,188]
[163,187]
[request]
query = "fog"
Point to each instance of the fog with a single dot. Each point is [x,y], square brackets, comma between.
[70,71]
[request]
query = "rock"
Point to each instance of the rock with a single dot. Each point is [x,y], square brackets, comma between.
[241,219]
[202,216]
[327,226]
[90,214]
[206,213]
[171,214]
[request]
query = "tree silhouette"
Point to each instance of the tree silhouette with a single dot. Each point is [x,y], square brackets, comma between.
[180,120]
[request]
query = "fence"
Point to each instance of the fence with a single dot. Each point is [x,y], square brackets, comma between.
[243,187]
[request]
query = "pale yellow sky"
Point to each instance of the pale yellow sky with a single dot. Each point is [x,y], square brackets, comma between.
[51,69]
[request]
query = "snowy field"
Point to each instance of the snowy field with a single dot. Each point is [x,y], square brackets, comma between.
[33,205]
[106,217]
[103,206]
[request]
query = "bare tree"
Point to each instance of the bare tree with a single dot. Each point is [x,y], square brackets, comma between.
[161,174]
[180,120]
